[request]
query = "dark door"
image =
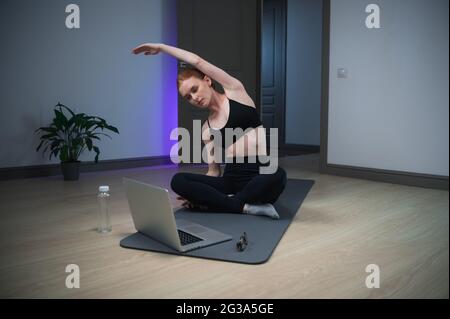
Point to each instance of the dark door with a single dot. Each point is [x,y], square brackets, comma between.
[273,67]
[227,34]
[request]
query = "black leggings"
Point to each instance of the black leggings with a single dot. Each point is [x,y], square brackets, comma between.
[241,180]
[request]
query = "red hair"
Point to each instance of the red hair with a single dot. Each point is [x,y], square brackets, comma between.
[187,73]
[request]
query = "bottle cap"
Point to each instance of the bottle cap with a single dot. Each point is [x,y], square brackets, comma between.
[104,188]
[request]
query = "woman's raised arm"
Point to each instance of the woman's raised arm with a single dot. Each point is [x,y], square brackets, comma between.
[227,81]
[155,48]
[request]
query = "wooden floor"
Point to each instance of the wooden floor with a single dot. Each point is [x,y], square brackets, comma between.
[343,225]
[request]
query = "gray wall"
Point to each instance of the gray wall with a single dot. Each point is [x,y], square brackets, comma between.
[391,112]
[303,72]
[90,69]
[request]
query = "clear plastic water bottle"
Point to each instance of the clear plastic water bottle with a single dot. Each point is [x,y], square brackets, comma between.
[104,222]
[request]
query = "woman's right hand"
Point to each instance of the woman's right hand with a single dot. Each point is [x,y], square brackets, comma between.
[187,204]
[148,48]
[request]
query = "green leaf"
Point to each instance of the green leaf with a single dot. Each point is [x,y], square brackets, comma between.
[104,134]
[60,120]
[66,107]
[93,136]
[48,136]
[55,153]
[45,149]
[112,128]
[80,122]
[46,129]
[88,143]
[40,144]
[97,151]
[64,156]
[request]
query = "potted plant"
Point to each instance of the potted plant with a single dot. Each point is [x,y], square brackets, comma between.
[70,136]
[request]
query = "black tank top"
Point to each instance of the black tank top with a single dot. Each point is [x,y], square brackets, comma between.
[240,116]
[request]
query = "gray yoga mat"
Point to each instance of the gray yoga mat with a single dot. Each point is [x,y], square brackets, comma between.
[263,233]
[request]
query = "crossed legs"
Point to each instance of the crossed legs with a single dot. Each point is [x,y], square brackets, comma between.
[213,191]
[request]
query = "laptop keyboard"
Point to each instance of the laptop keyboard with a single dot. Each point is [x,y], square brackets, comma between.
[186,238]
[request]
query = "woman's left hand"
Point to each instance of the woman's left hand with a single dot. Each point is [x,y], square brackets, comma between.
[148,48]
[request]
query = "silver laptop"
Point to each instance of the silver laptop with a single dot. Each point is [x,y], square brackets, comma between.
[153,216]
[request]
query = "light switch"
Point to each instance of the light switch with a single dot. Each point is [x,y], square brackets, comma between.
[342,73]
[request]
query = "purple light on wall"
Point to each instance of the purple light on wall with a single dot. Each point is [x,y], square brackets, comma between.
[169,114]
[169,98]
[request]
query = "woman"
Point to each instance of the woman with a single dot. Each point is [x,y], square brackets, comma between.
[241,188]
